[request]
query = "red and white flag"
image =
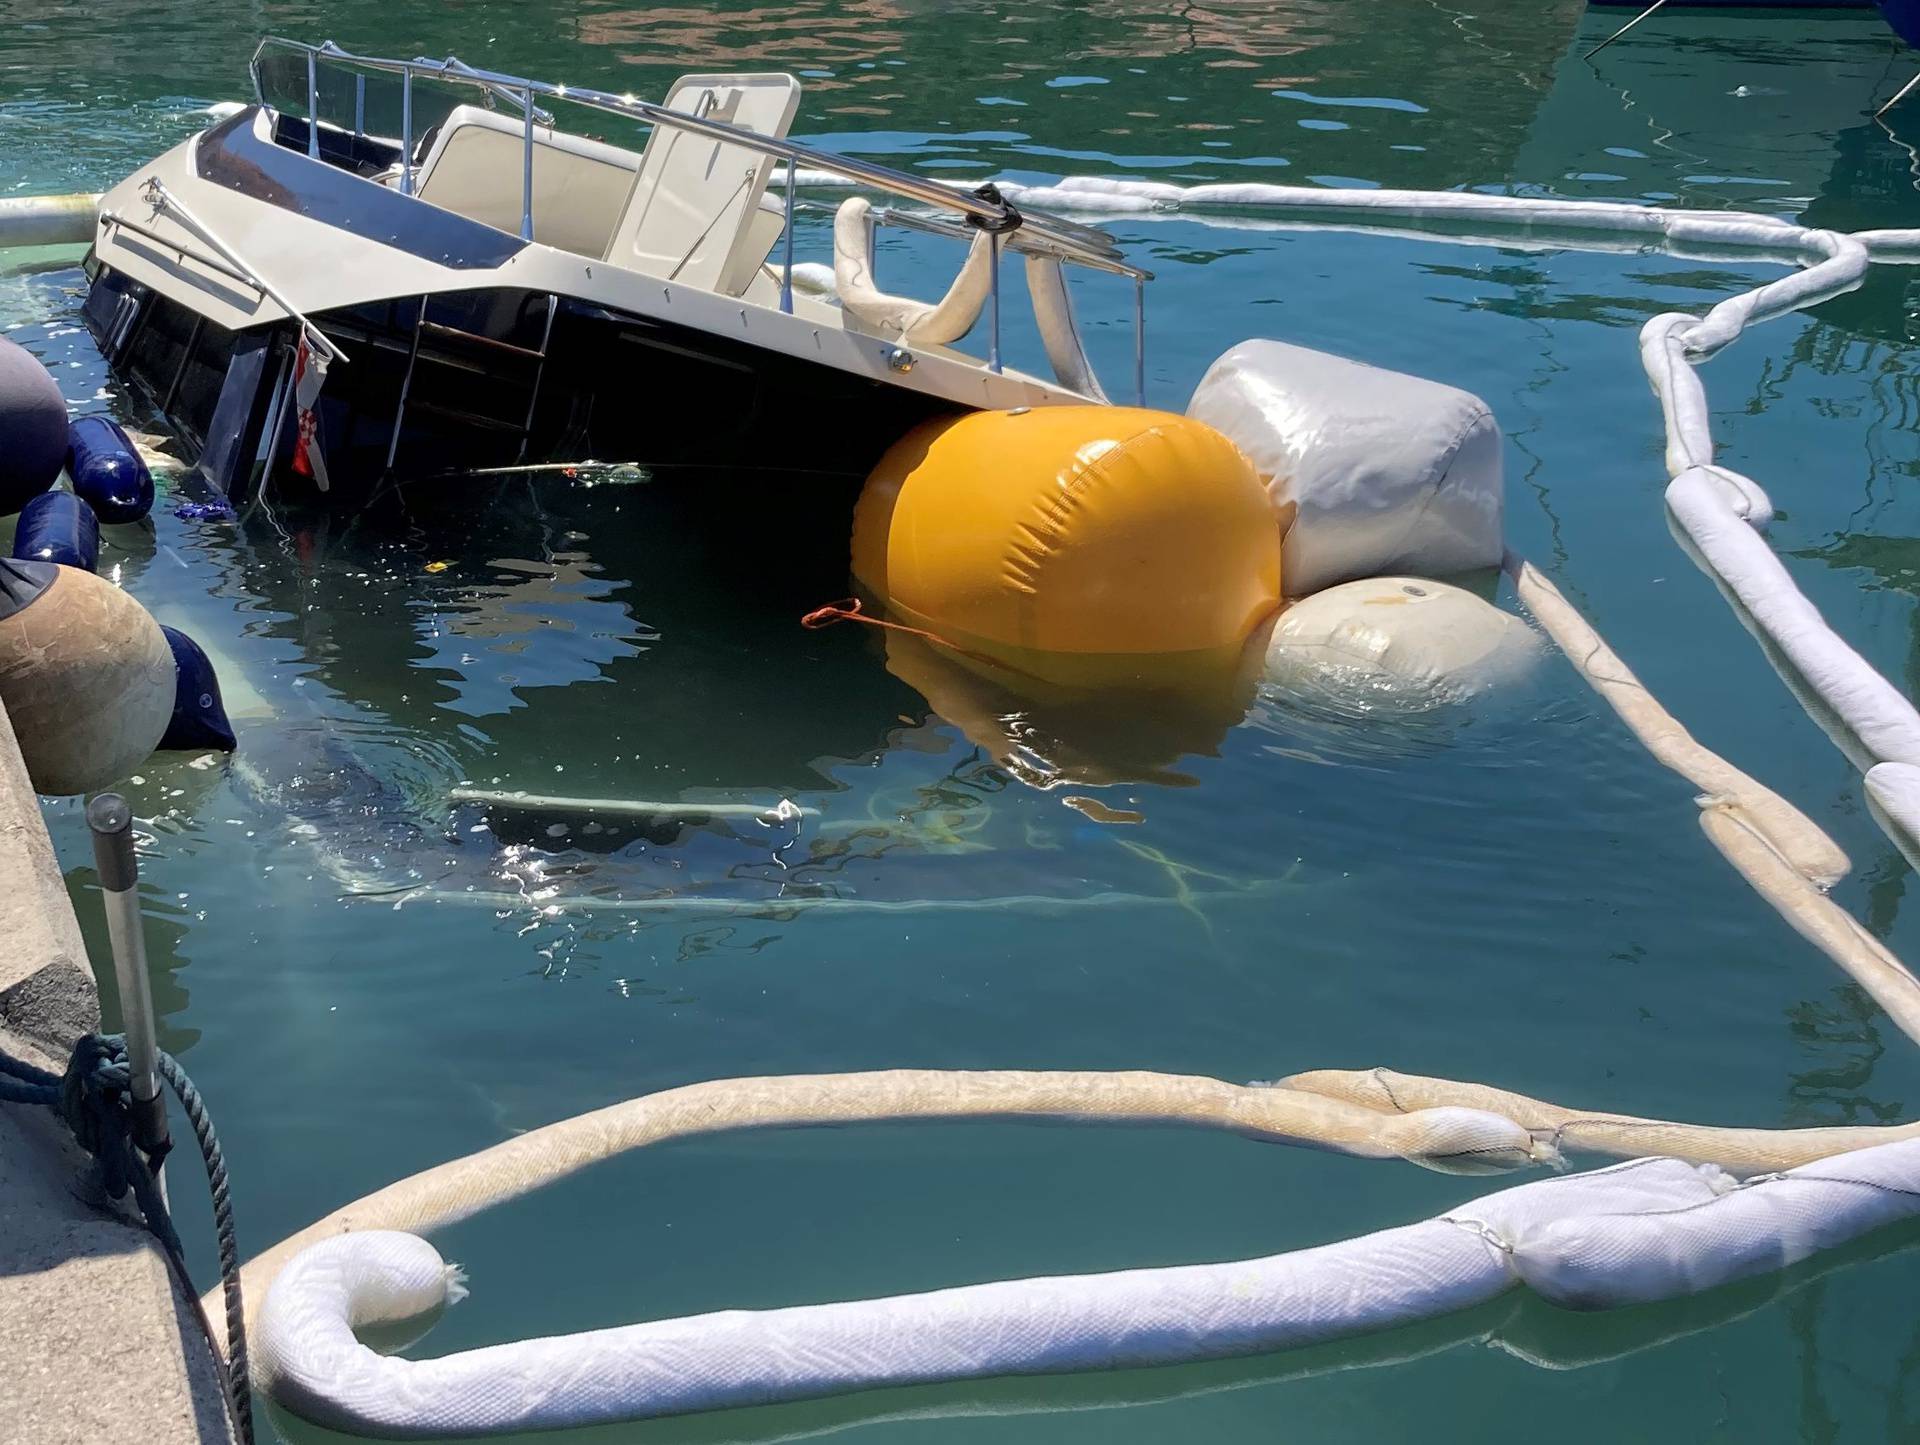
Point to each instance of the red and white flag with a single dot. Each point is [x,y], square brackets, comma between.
[309,375]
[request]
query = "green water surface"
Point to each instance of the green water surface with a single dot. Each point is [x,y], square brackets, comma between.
[1507,890]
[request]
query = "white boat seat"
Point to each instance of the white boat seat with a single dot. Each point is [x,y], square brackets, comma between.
[928,323]
[580,186]
[696,216]
[1059,328]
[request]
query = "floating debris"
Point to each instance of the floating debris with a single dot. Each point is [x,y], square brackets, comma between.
[1100,812]
[219,509]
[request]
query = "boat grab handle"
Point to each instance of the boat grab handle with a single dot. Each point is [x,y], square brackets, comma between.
[161,199]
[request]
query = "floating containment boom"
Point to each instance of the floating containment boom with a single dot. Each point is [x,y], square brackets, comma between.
[1636,1233]
[48,220]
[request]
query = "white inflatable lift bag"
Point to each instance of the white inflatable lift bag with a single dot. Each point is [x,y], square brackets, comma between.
[1405,637]
[1373,471]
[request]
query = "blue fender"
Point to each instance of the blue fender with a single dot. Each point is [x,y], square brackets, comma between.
[107,471]
[1904,17]
[199,716]
[58,527]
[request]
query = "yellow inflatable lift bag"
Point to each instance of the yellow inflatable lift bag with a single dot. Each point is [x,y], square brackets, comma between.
[1106,534]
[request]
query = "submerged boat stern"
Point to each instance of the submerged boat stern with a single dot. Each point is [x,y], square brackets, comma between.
[211,337]
[323,308]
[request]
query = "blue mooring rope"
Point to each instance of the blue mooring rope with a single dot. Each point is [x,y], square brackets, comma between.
[94,1099]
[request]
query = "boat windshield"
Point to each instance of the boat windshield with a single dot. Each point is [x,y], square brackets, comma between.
[369,103]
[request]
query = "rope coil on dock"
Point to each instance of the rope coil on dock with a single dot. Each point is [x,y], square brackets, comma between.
[92,1098]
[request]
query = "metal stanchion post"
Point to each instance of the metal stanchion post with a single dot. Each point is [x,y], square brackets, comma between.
[111,822]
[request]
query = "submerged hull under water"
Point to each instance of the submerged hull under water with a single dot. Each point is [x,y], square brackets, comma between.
[479,394]
[931,847]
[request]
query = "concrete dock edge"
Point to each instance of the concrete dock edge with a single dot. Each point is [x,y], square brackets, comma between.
[97,1342]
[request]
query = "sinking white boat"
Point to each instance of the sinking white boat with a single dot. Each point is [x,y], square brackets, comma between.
[376,277]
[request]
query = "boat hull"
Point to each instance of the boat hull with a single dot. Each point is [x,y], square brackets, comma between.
[1736,4]
[464,347]
[1904,17]
[471,390]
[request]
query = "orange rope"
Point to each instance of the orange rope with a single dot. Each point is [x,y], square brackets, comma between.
[850,609]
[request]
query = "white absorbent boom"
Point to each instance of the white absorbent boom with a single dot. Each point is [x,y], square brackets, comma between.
[1635,1233]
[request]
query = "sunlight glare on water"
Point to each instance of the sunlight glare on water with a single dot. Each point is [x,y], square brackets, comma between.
[1504,888]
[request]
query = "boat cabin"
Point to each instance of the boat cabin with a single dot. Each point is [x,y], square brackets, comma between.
[434,276]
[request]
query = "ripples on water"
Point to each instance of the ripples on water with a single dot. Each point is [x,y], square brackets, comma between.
[1499,886]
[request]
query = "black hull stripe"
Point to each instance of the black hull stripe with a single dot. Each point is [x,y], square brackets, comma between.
[231,155]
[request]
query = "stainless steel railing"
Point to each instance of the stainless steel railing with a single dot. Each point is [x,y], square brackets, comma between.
[1082,245]
[231,262]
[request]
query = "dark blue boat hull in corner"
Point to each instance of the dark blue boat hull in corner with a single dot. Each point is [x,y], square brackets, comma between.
[1736,4]
[1904,17]
[1739,4]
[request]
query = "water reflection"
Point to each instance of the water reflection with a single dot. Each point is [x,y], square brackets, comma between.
[358,759]
[1874,182]
[1050,735]
[668,612]
[1116,65]
[167,925]
[804,37]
